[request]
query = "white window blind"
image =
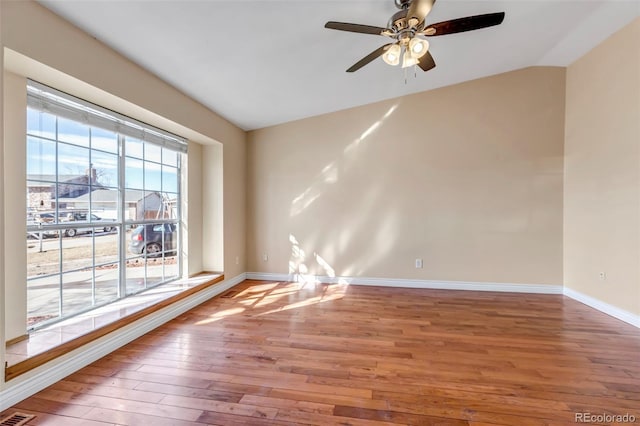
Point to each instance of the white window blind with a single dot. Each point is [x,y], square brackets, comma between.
[46,99]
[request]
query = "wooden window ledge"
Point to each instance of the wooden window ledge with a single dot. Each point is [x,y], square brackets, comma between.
[50,342]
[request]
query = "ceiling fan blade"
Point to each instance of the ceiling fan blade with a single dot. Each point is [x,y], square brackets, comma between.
[460,25]
[426,62]
[370,57]
[354,28]
[419,9]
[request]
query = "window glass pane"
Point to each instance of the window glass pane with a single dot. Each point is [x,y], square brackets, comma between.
[43,257]
[41,159]
[77,291]
[152,176]
[171,270]
[106,168]
[152,205]
[171,239]
[133,148]
[39,198]
[107,244]
[77,252]
[73,132]
[41,124]
[169,157]
[106,283]
[134,174]
[170,205]
[73,163]
[43,299]
[104,211]
[104,140]
[170,260]
[46,219]
[159,240]
[152,152]
[72,215]
[136,268]
[133,199]
[169,179]
[154,270]
[152,239]
[72,197]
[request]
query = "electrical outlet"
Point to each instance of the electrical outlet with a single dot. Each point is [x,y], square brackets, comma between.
[418,263]
[265,257]
[237,260]
[602,276]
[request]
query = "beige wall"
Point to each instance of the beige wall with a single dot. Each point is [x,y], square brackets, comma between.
[602,172]
[212,175]
[192,204]
[468,178]
[2,238]
[15,226]
[235,195]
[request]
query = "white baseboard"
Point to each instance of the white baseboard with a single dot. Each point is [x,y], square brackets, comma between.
[45,375]
[406,283]
[603,307]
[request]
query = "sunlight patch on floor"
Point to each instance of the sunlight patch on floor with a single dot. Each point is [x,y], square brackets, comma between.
[221,315]
[331,293]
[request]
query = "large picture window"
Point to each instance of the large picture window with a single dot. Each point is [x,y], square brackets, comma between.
[103,206]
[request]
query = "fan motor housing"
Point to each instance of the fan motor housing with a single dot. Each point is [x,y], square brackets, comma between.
[402,4]
[398,21]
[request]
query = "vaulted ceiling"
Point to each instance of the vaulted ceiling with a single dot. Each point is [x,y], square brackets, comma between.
[264,62]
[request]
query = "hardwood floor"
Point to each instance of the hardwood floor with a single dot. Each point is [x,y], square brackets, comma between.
[287,353]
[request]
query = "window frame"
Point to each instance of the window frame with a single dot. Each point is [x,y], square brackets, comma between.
[44,99]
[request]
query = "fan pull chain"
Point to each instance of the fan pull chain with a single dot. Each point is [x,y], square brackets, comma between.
[415,73]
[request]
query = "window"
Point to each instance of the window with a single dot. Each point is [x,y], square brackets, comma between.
[103,206]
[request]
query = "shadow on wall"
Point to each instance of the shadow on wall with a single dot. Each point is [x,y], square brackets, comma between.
[377,227]
[330,173]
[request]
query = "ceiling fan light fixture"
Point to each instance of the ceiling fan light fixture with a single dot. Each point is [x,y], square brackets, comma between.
[392,55]
[418,47]
[408,60]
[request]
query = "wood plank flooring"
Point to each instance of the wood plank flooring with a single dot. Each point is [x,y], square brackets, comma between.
[288,353]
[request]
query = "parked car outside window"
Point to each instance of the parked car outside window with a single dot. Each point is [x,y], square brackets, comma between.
[153,238]
[95,222]
[40,219]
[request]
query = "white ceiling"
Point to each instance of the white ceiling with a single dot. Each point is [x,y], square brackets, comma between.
[264,62]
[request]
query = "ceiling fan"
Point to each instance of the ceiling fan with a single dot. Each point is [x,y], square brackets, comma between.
[407,27]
